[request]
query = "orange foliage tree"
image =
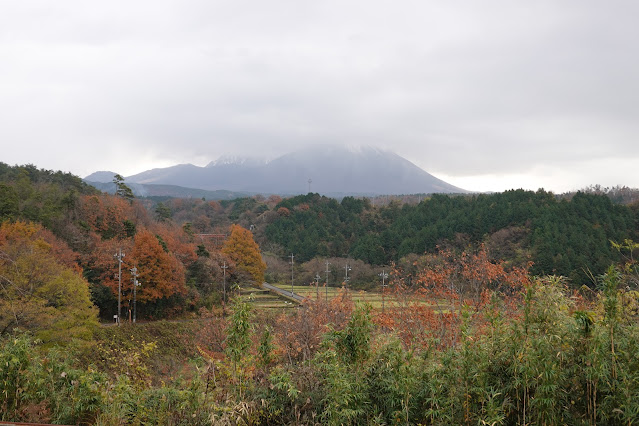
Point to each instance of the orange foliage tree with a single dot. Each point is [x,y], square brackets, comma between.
[177,242]
[429,312]
[160,273]
[107,216]
[242,249]
[466,276]
[100,264]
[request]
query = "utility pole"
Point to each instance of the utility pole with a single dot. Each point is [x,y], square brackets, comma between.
[136,283]
[224,268]
[309,185]
[292,263]
[119,255]
[346,268]
[327,271]
[384,275]
[317,280]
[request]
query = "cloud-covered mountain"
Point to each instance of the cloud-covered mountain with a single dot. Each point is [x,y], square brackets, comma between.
[332,171]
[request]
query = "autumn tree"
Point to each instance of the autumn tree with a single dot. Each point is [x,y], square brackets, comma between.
[242,249]
[101,269]
[38,292]
[177,242]
[108,216]
[160,273]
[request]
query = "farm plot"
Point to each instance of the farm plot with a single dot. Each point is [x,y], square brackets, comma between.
[262,298]
[375,299]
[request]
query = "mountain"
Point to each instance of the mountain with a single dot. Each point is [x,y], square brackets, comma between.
[102,176]
[333,171]
[363,171]
[168,191]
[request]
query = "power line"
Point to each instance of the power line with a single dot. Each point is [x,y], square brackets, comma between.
[136,283]
[317,280]
[327,271]
[224,268]
[346,268]
[292,264]
[384,275]
[119,255]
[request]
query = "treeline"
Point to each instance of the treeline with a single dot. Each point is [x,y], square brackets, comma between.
[569,238]
[566,235]
[43,196]
[617,194]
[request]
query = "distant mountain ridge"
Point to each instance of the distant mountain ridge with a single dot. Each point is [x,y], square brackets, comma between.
[167,191]
[332,171]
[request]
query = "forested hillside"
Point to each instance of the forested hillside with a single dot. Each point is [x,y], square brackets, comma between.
[39,195]
[567,236]
[87,228]
[570,238]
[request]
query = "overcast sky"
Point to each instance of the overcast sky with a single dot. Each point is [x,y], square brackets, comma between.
[487,95]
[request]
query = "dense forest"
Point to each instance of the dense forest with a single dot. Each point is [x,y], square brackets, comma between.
[561,236]
[511,308]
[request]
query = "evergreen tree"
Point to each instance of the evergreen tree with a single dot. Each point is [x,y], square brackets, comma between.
[122,189]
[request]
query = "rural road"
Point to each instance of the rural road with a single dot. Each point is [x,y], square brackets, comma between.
[285,293]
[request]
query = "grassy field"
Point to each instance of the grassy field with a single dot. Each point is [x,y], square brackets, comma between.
[375,299]
[262,298]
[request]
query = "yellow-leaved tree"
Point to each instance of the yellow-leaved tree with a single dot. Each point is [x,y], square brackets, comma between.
[38,291]
[242,249]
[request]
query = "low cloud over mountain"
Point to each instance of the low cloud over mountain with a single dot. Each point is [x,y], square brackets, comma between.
[331,171]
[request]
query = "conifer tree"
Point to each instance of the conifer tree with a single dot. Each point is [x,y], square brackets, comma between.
[122,189]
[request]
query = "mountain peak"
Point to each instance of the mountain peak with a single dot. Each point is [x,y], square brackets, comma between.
[234,160]
[101,176]
[335,170]
[344,149]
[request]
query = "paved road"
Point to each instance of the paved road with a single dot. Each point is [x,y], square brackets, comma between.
[285,293]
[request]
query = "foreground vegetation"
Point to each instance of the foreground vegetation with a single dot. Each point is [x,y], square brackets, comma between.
[542,355]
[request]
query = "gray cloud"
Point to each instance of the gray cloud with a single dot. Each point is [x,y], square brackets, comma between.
[464,89]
